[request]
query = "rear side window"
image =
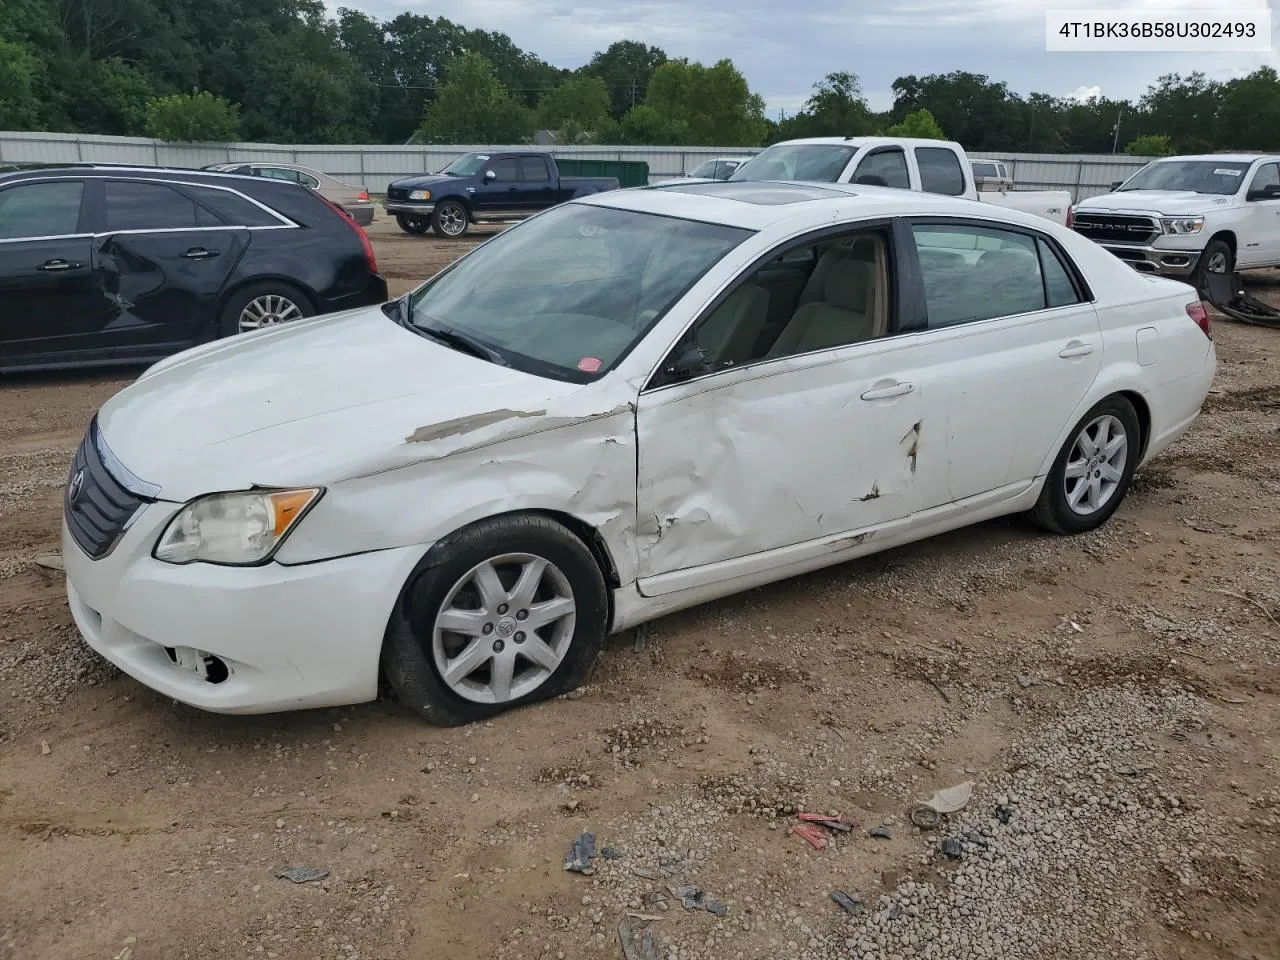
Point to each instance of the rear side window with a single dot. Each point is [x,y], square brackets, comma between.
[134,205]
[888,167]
[235,209]
[532,168]
[940,171]
[40,209]
[1059,291]
[505,168]
[977,273]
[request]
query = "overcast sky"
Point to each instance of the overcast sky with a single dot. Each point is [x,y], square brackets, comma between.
[783,47]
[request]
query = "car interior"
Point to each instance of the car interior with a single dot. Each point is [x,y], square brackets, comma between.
[813,297]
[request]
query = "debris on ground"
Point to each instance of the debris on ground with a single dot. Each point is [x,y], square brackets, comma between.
[302,874]
[838,822]
[579,857]
[646,873]
[952,848]
[1003,814]
[812,834]
[881,833]
[848,904]
[610,853]
[693,898]
[50,561]
[636,944]
[925,817]
[952,799]
[45,749]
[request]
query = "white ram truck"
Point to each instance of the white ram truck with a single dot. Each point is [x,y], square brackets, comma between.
[1183,217]
[931,166]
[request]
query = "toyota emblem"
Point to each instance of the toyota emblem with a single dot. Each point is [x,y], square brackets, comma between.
[74,488]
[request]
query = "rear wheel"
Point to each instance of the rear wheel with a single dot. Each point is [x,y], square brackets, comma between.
[506,612]
[1091,475]
[450,219]
[262,305]
[411,224]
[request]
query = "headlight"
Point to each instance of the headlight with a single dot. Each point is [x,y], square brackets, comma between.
[234,529]
[1182,225]
[419,194]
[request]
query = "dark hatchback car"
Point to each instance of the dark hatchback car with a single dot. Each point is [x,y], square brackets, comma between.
[107,265]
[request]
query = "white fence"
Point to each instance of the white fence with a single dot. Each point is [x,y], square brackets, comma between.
[375,166]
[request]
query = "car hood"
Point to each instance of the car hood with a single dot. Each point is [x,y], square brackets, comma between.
[314,402]
[426,180]
[1170,202]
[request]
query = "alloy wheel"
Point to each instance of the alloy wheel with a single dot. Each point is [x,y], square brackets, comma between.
[1095,466]
[266,310]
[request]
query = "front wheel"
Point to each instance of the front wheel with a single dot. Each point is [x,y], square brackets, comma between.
[1217,258]
[414,225]
[1091,475]
[450,219]
[508,611]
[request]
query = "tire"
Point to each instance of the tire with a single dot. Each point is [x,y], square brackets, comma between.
[414,225]
[450,220]
[417,653]
[1054,510]
[1217,253]
[277,302]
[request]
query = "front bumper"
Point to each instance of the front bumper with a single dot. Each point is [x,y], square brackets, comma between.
[409,208]
[243,639]
[1155,260]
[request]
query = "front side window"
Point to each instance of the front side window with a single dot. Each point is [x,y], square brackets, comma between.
[569,292]
[40,209]
[884,168]
[978,273]
[1267,178]
[505,170]
[940,171]
[815,162]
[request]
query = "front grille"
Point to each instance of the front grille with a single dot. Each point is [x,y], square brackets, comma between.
[98,506]
[1116,228]
[397,193]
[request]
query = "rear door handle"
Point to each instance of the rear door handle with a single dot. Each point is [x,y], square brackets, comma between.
[199,253]
[1075,349]
[888,392]
[51,266]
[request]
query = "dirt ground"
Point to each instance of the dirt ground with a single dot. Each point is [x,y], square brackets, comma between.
[1115,699]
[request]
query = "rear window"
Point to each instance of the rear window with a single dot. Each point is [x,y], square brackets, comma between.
[940,171]
[235,209]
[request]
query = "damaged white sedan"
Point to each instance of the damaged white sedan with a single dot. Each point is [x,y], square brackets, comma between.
[624,406]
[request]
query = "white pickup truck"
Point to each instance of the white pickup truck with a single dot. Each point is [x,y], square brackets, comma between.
[932,166]
[1184,217]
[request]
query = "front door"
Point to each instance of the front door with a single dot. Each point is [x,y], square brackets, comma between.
[1012,347]
[498,196]
[1261,240]
[50,302]
[787,439]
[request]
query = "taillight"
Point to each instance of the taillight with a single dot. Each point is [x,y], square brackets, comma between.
[1197,312]
[362,195]
[364,237]
[1071,217]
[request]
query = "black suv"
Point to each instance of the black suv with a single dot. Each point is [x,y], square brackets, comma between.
[117,264]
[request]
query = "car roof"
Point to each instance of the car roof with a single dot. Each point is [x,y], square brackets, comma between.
[858,142]
[758,205]
[1222,157]
[106,170]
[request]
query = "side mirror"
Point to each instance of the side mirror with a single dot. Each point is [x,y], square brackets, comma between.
[490,175]
[690,361]
[1269,192]
[1116,184]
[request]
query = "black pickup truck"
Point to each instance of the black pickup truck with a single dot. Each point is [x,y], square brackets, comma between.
[480,187]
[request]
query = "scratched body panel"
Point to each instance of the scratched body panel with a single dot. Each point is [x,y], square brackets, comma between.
[773,456]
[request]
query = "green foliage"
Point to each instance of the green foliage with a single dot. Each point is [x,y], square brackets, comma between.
[920,125]
[836,108]
[474,107]
[1150,145]
[625,68]
[578,109]
[1249,117]
[702,105]
[192,118]
[19,106]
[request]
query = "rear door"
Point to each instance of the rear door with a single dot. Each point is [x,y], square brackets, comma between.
[164,258]
[538,188]
[49,302]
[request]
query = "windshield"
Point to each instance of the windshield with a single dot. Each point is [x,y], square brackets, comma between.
[466,165]
[1198,176]
[821,162]
[707,170]
[569,292]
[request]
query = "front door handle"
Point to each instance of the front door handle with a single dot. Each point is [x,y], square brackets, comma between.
[199,253]
[888,392]
[52,266]
[1075,349]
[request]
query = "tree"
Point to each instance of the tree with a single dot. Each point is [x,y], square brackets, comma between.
[706,105]
[192,118]
[1249,116]
[975,111]
[1149,145]
[1183,109]
[920,125]
[19,105]
[474,107]
[836,108]
[626,68]
[577,108]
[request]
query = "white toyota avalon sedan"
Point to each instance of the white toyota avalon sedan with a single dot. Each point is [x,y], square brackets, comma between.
[624,406]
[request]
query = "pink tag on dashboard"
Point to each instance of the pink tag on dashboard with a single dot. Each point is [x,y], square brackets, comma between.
[588,364]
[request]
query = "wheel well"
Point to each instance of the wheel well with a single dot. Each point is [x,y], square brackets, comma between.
[591,537]
[1229,237]
[1144,417]
[307,294]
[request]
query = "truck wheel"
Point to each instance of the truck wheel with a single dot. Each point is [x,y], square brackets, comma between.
[1217,258]
[415,225]
[450,219]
